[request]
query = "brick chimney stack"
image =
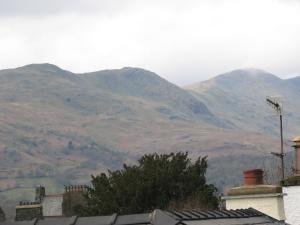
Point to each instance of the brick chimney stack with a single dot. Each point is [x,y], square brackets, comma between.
[40,193]
[253,177]
[297,155]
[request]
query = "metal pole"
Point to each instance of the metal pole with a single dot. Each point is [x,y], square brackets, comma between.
[275,104]
[281,148]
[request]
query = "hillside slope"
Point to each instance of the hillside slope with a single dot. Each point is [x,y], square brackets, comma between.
[54,122]
[57,127]
[240,97]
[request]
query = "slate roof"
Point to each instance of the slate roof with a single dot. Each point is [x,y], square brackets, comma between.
[159,217]
[222,217]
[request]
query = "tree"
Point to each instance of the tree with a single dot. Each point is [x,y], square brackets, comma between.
[157,181]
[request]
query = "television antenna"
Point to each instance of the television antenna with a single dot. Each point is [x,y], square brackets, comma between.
[277,106]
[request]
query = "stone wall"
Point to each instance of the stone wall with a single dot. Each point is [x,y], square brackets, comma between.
[28,211]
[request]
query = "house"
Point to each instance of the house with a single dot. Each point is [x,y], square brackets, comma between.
[51,205]
[280,202]
[159,217]
[291,189]
[267,199]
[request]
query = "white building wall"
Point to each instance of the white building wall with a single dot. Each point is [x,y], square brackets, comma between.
[292,204]
[267,204]
[52,205]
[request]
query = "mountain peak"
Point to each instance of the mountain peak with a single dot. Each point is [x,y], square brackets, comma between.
[44,67]
[127,76]
[238,78]
[251,70]
[40,65]
[247,73]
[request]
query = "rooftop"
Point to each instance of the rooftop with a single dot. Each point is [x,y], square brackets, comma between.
[159,217]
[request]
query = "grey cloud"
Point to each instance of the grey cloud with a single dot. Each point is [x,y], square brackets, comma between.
[182,40]
[48,7]
[35,8]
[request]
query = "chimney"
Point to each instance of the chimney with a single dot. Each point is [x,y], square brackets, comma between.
[40,193]
[253,177]
[297,155]
[267,199]
[2,215]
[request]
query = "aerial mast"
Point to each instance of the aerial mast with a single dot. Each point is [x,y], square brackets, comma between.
[275,104]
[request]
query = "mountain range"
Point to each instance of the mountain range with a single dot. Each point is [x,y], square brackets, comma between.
[58,127]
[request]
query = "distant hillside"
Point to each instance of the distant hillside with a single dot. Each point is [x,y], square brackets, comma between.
[240,97]
[57,127]
[57,122]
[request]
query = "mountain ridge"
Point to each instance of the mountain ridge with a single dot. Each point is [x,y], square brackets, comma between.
[243,96]
[131,81]
[247,72]
[59,127]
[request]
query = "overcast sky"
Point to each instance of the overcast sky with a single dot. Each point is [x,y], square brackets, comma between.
[182,40]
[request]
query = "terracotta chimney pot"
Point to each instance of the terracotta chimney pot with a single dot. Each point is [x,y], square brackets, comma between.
[253,177]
